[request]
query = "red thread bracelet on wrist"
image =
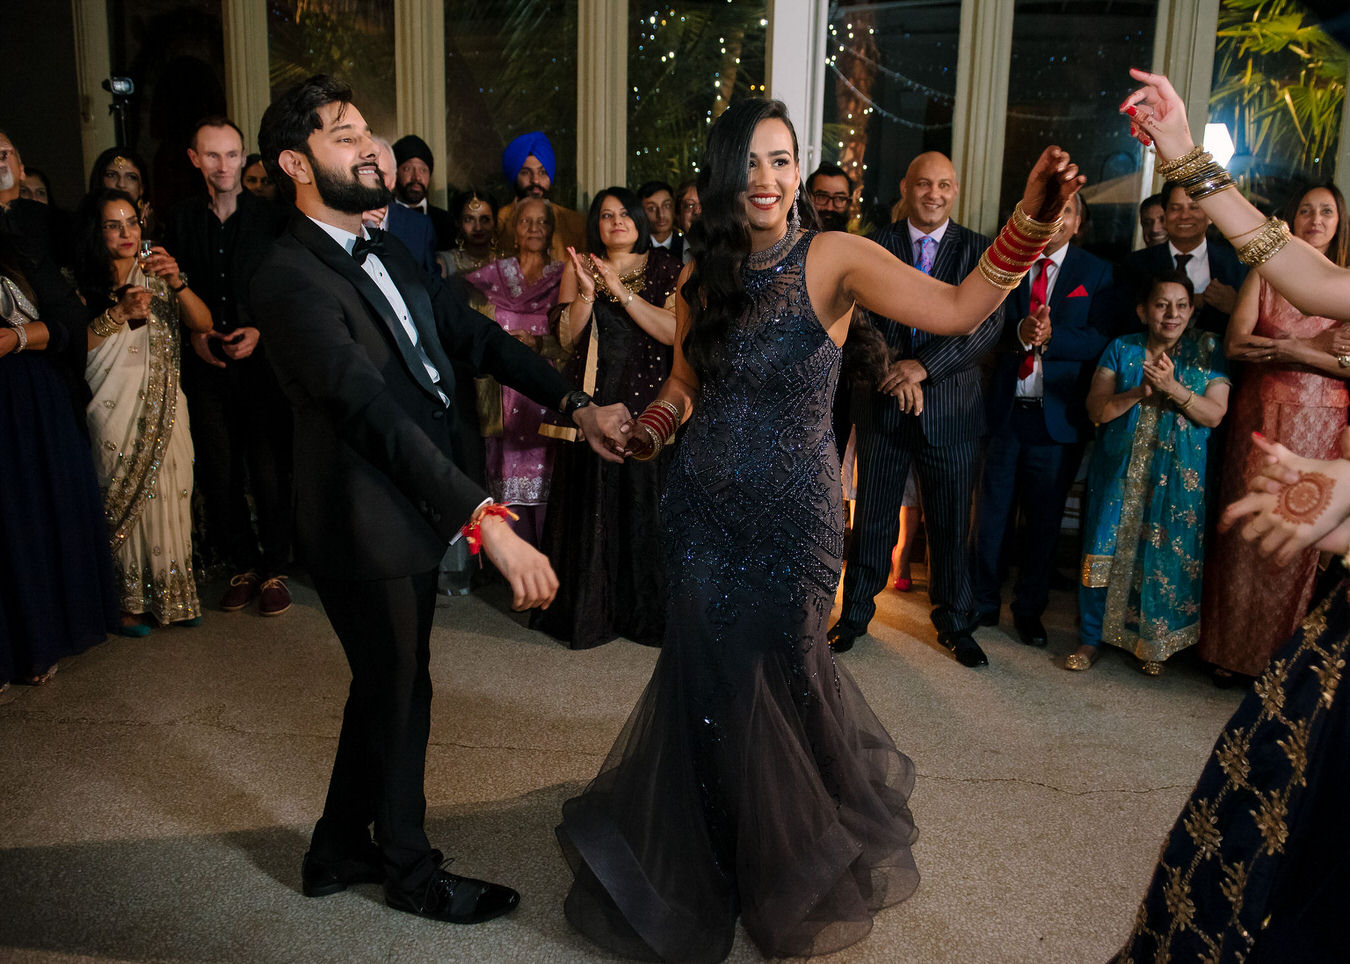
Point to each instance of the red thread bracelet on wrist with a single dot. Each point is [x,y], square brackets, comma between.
[472,530]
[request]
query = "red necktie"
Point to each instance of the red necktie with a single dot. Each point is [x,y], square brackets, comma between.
[1038,297]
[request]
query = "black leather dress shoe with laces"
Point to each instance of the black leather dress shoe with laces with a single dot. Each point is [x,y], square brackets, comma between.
[454,899]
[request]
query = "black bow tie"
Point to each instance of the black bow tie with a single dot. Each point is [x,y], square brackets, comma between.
[371,245]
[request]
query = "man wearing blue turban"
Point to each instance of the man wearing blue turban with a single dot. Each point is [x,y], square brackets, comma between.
[529,164]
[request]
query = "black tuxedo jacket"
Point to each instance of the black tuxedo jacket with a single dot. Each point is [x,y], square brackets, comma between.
[378,492]
[953,404]
[1154,260]
[1083,307]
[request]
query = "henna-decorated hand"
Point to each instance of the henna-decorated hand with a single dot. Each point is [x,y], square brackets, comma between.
[1294,503]
[1052,182]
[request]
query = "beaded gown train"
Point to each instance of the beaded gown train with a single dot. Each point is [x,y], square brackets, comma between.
[751,778]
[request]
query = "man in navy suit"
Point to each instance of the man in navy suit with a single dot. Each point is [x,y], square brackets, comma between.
[1057,322]
[1213,267]
[930,412]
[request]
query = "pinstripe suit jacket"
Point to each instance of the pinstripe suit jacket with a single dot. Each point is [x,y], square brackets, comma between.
[953,403]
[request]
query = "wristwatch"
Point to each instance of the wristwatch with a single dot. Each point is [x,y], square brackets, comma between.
[573,401]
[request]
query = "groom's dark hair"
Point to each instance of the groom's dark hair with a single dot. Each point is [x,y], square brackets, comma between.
[290,120]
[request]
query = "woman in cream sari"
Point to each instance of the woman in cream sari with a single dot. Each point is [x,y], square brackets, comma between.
[138,420]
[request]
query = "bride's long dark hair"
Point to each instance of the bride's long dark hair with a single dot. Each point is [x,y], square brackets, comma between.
[720,241]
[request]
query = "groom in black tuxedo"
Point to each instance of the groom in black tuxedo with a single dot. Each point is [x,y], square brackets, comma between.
[362,341]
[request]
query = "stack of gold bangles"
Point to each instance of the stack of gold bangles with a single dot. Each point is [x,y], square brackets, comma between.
[105,324]
[1015,250]
[658,423]
[1197,174]
[1270,238]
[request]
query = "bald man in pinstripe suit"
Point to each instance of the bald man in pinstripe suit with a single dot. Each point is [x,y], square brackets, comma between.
[930,415]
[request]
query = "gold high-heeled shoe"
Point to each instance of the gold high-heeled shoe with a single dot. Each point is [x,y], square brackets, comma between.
[1151,667]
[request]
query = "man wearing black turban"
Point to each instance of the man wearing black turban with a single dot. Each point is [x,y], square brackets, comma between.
[415,164]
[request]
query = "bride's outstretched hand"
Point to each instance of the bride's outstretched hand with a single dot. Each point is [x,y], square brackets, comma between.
[1158,115]
[1295,503]
[1052,182]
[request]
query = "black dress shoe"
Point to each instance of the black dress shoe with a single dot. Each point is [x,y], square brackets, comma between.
[321,878]
[841,637]
[966,650]
[987,618]
[1030,630]
[454,899]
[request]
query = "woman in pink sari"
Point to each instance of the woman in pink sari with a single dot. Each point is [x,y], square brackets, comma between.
[519,292]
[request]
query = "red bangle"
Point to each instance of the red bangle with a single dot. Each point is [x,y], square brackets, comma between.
[472,530]
[660,421]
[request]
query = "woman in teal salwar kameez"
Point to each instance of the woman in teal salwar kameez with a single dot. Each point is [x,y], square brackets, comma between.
[1155,397]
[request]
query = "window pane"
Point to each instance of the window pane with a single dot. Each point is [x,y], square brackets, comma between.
[351,39]
[1067,80]
[1279,91]
[686,63]
[510,68]
[890,88]
[174,51]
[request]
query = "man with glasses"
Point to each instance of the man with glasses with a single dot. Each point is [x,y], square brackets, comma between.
[831,191]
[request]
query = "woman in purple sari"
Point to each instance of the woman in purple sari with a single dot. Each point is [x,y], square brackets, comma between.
[519,292]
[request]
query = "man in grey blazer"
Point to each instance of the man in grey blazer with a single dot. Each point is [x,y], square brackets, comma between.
[929,414]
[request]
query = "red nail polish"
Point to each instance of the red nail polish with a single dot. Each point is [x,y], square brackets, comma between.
[1258,435]
[1146,141]
[1132,110]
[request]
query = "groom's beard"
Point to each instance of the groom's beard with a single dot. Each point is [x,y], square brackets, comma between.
[348,195]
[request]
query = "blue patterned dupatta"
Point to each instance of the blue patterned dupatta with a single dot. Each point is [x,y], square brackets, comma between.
[1145,519]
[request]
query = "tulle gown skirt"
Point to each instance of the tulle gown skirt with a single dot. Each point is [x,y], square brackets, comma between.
[751,778]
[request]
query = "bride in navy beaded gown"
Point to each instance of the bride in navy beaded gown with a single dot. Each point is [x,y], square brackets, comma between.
[752,778]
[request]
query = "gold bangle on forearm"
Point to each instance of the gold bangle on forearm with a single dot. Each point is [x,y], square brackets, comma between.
[105,324]
[1036,230]
[1168,168]
[1201,162]
[1269,241]
[657,445]
[1006,280]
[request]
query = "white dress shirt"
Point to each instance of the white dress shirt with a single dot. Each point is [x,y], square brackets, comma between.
[376,270]
[1033,386]
[1198,267]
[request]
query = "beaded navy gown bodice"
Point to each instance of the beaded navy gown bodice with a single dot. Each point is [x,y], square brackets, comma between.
[754,500]
[751,779]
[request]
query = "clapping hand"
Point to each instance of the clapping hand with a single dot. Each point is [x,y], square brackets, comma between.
[585,283]
[1160,376]
[1035,328]
[1295,503]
